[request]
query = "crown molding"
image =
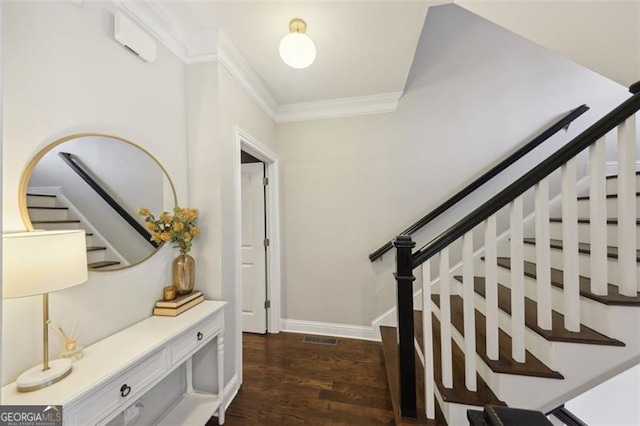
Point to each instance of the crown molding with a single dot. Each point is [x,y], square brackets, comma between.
[212,45]
[154,19]
[338,108]
[231,58]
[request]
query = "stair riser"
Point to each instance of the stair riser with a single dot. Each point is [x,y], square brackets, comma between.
[57,226]
[48,214]
[592,313]
[536,344]
[612,184]
[41,201]
[584,260]
[584,207]
[584,233]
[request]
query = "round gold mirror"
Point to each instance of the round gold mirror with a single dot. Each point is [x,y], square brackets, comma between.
[97,182]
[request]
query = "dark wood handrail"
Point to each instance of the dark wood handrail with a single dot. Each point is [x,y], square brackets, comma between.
[555,161]
[67,157]
[499,168]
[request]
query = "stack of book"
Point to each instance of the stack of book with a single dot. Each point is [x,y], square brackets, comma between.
[178,305]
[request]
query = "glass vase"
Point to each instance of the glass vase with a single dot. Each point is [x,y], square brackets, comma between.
[184,273]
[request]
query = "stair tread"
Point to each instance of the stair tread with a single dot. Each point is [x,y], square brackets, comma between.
[459,392]
[585,248]
[586,197]
[391,354]
[47,208]
[557,333]
[557,280]
[616,176]
[613,221]
[103,264]
[532,366]
[41,195]
[56,221]
[95,248]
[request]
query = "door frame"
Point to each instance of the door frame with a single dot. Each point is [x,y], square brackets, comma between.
[245,142]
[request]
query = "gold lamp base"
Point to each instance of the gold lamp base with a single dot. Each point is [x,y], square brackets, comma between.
[35,378]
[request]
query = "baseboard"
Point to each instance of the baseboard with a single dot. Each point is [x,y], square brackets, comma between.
[329,329]
[231,390]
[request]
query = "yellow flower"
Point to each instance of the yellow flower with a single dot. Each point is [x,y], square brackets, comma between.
[143,211]
[165,236]
[186,236]
[195,231]
[165,217]
[178,226]
[192,215]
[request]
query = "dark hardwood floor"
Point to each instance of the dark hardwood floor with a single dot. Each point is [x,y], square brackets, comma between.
[288,382]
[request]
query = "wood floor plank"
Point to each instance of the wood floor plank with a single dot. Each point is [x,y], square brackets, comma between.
[288,382]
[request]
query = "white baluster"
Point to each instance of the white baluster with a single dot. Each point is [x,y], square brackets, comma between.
[627,207]
[427,346]
[517,281]
[598,217]
[570,247]
[543,255]
[445,320]
[469,312]
[491,287]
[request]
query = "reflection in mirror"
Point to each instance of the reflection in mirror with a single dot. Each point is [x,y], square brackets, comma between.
[97,183]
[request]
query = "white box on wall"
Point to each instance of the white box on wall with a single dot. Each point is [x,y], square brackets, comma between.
[133,37]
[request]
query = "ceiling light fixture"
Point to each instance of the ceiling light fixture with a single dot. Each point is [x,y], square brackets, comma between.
[296,48]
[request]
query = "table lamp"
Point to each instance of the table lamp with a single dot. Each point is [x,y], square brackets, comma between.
[42,262]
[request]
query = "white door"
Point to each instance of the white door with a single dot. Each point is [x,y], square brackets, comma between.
[254,279]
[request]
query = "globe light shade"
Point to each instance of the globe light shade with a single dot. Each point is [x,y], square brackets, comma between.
[297,50]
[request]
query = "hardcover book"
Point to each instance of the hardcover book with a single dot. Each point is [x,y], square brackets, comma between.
[172,312]
[178,301]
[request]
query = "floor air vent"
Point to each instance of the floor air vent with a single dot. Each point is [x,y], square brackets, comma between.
[320,340]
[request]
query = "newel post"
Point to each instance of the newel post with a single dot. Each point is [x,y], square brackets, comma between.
[404,278]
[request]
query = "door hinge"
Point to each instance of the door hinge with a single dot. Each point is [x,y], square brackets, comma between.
[266,242]
[265,181]
[267,304]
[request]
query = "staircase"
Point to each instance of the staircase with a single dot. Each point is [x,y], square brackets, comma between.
[537,315]
[49,212]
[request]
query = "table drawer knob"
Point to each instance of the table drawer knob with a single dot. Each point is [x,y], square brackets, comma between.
[125,390]
[200,335]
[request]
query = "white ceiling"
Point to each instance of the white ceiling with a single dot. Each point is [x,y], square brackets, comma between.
[364,48]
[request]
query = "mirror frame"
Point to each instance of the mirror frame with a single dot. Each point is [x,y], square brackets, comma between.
[26,177]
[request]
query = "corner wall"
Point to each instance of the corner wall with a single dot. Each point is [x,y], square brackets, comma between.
[65,74]
[475,93]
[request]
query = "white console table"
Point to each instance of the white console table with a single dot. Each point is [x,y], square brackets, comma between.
[116,371]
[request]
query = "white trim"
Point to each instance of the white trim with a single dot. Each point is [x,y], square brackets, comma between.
[337,108]
[231,58]
[231,390]
[329,329]
[247,143]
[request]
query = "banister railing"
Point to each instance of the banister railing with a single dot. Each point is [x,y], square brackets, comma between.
[68,158]
[594,139]
[564,154]
[562,123]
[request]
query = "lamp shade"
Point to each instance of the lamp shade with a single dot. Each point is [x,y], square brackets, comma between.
[42,262]
[297,50]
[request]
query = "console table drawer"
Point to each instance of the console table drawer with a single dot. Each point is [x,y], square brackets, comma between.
[196,336]
[126,386]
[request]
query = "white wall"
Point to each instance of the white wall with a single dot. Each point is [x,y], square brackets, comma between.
[475,93]
[615,402]
[64,74]
[601,35]
[217,105]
